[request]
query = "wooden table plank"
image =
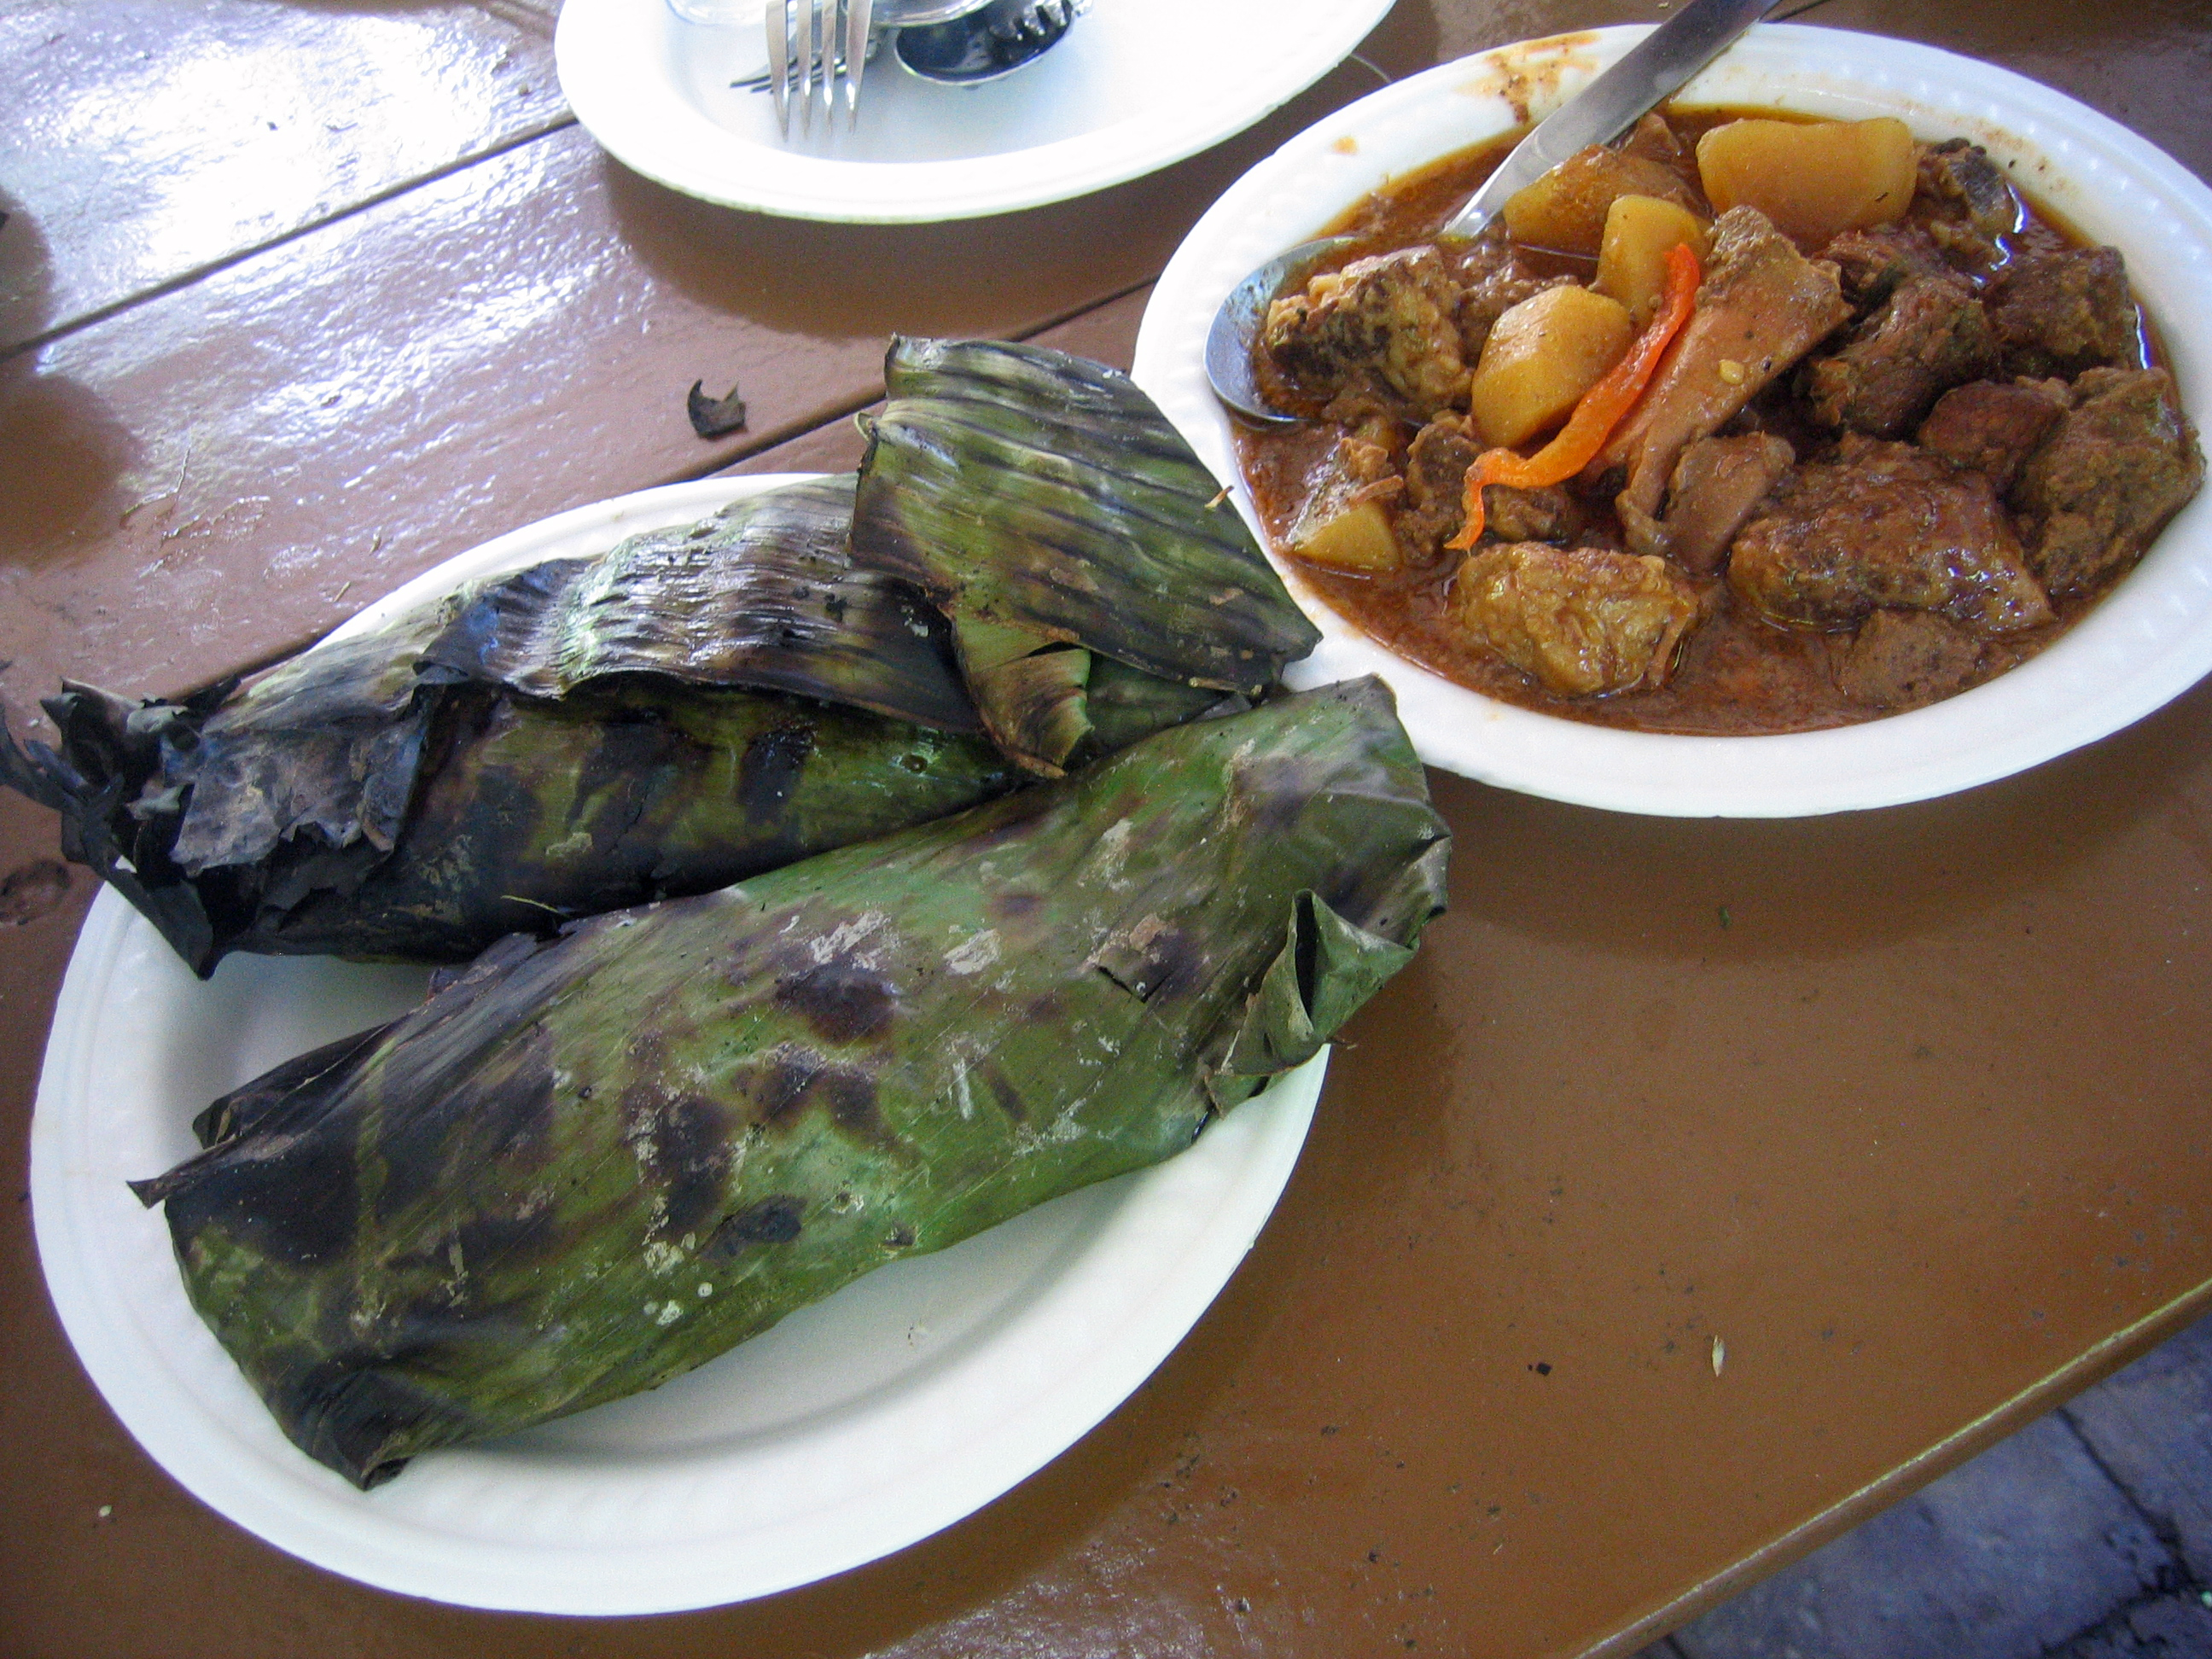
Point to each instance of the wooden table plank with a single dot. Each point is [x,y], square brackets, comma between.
[130,160]
[1910,1108]
[1105,334]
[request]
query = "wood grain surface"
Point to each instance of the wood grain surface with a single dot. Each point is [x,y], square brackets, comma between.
[1910,1110]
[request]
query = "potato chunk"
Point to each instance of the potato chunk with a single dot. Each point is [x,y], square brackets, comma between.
[1344,524]
[1541,358]
[1565,209]
[1631,262]
[1347,535]
[1813,180]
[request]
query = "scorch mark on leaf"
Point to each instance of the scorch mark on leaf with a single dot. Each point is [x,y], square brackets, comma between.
[1113,853]
[840,940]
[973,954]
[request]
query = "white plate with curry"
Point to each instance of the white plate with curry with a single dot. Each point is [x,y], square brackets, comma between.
[2101,666]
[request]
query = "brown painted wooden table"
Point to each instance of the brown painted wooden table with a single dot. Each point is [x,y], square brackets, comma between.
[1912,1108]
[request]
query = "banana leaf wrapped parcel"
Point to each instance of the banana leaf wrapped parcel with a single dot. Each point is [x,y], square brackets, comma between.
[586,1166]
[694,705]
[1090,565]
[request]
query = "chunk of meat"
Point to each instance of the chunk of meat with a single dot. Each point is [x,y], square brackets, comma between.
[1716,485]
[1968,208]
[1582,621]
[1366,406]
[2064,310]
[1884,527]
[1653,140]
[1368,454]
[1959,176]
[1435,499]
[2122,463]
[1762,305]
[1435,478]
[1929,336]
[1391,321]
[1871,263]
[1905,658]
[1546,513]
[1992,426]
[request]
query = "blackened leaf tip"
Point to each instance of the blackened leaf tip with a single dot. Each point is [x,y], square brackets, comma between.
[713,417]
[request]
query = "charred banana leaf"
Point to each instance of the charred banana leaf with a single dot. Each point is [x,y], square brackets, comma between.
[694,706]
[534,813]
[764,594]
[586,1167]
[1063,525]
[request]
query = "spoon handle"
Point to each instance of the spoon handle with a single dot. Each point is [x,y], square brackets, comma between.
[1654,70]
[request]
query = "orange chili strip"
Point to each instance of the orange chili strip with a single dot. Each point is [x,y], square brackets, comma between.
[1600,410]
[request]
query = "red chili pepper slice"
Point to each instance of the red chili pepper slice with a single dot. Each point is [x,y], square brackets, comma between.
[1601,409]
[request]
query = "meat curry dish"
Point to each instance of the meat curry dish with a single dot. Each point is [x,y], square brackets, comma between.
[1743,425]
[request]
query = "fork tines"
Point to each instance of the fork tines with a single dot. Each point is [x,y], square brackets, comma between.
[816,44]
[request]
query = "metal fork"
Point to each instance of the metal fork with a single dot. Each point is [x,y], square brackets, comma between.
[816,44]
[825,44]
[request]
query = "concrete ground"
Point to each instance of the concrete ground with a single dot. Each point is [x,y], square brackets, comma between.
[2086,1535]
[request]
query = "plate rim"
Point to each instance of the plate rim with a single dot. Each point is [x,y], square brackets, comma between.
[1963,742]
[596,56]
[316,1517]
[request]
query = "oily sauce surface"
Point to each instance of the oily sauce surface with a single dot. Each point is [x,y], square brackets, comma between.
[1738,673]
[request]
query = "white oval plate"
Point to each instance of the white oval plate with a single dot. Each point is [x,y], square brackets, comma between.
[1133,85]
[857,1426]
[2149,640]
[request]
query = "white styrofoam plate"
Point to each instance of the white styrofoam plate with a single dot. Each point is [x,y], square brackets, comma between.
[857,1426]
[2150,639]
[1133,85]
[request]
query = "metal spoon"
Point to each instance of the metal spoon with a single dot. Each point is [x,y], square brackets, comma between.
[984,44]
[1651,72]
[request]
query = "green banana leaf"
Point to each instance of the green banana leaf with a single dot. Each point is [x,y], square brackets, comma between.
[694,706]
[586,1167]
[1044,502]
